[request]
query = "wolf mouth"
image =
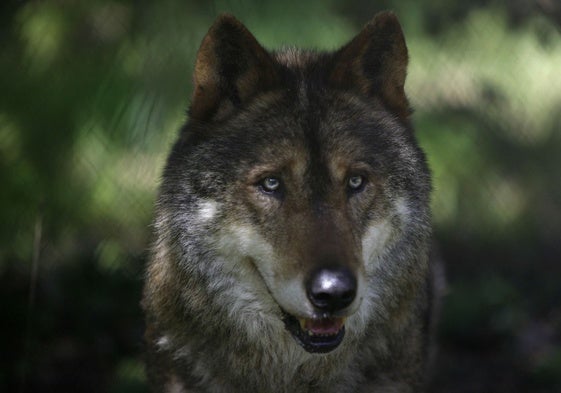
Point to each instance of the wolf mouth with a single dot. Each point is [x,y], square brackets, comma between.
[316,335]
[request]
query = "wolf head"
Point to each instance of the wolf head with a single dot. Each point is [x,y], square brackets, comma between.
[295,202]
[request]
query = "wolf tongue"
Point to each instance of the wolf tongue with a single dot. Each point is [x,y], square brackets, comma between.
[324,326]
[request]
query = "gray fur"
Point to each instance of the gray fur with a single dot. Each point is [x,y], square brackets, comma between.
[217,280]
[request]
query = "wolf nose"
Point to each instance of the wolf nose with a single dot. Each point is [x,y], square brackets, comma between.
[331,289]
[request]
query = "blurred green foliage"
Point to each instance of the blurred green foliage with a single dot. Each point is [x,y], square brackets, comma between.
[92,95]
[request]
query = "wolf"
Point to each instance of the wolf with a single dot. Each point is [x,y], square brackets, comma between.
[292,228]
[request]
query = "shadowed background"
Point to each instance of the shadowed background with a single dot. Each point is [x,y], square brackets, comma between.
[92,95]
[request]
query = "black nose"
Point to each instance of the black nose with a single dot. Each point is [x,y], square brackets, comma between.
[331,289]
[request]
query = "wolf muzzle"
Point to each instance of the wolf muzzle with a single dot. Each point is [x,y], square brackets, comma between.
[330,291]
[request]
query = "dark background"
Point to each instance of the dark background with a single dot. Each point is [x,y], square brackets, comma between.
[92,94]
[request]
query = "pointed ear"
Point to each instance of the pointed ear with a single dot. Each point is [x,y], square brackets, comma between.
[231,67]
[375,63]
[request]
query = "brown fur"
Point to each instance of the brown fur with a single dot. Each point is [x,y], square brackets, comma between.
[212,77]
[229,274]
[383,74]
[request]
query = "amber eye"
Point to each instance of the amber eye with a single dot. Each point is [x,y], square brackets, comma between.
[355,182]
[270,184]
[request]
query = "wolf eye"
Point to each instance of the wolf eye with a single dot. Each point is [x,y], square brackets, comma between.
[270,184]
[355,182]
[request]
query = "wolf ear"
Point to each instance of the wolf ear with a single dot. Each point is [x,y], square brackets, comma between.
[375,63]
[231,67]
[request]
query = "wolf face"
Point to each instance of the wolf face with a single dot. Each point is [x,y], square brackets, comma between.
[294,206]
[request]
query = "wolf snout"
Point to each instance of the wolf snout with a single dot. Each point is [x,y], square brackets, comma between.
[331,290]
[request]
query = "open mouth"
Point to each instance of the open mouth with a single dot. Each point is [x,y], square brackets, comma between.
[318,335]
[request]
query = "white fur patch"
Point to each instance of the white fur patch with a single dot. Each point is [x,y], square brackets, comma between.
[163,342]
[403,210]
[207,209]
[288,292]
[373,242]
[247,241]
[292,296]
[378,234]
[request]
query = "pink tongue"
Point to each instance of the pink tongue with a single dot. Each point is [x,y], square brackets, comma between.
[327,326]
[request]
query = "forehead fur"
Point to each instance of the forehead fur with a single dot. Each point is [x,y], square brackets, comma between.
[302,107]
[295,58]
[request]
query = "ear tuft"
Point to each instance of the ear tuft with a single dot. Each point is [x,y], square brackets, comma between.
[375,63]
[231,67]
